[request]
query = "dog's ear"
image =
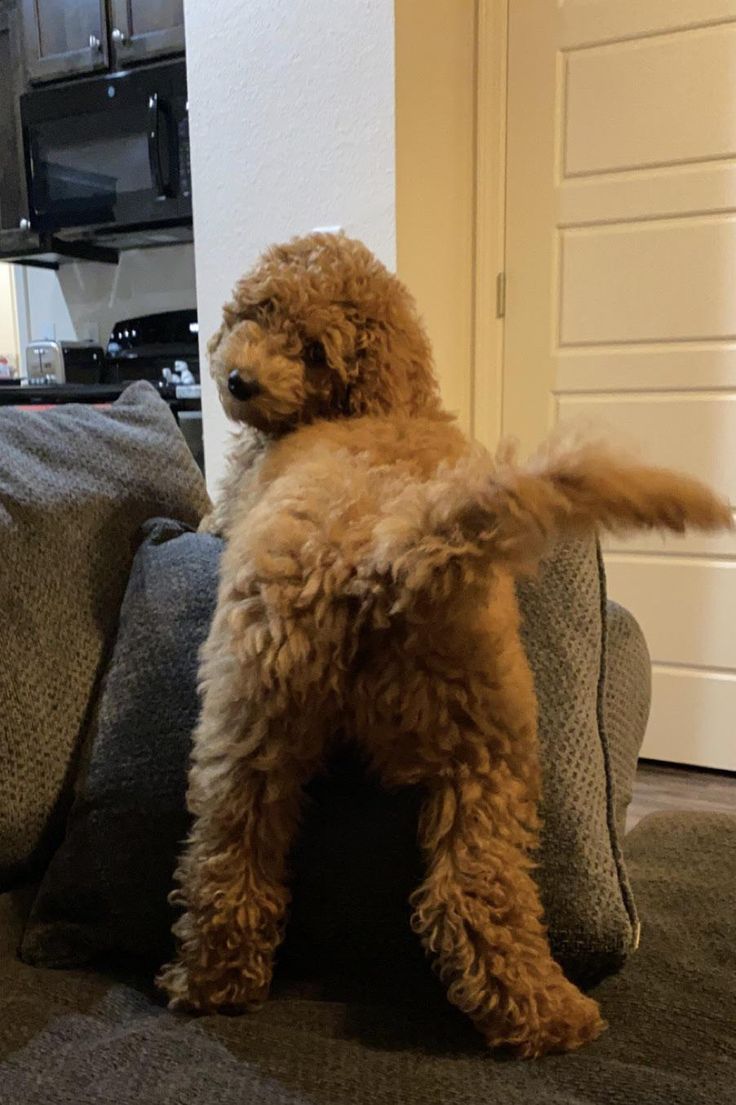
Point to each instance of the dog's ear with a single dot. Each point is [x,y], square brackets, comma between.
[339,364]
[392,368]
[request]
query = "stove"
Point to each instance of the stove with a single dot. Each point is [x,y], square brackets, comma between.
[161,348]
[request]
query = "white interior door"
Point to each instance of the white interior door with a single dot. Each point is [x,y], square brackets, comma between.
[621,300]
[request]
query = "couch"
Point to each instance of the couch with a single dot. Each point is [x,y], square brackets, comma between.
[370,1026]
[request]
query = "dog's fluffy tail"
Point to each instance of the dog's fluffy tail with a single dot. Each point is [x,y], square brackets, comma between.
[475,515]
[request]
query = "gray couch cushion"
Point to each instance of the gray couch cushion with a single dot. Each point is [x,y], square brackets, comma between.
[76,484]
[356,860]
[86,1038]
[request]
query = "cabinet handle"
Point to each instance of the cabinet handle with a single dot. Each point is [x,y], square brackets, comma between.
[94,44]
[119,37]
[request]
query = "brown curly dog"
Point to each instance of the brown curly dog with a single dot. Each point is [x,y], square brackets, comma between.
[367,585]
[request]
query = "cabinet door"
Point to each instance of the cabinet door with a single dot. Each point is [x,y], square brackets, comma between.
[142,29]
[12,201]
[65,38]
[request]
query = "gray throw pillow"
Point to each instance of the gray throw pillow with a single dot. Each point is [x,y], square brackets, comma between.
[76,484]
[627,698]
[585,888]
[356,859]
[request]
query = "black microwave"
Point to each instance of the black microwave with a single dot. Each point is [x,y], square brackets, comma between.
[109,153]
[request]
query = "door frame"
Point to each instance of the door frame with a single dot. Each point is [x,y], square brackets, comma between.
[435,161]
[490,220]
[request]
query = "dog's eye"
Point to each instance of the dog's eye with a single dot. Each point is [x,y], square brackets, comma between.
[314,353]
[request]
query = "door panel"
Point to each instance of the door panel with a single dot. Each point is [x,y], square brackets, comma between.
[143,29]
[696,431]
[621,98]
[649,281]
[721,546]
[654,367]
[620,305]
[159,15]
[12,205]
[591,22]
[684,605]
[692,718]
[652,193]
[62,39]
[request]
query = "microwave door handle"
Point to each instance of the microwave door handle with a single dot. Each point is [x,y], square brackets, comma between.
[164,188]
[154,134]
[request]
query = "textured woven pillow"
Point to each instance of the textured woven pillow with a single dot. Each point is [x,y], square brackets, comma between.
[626,698]
[76,484]
[585,889]
[356,860]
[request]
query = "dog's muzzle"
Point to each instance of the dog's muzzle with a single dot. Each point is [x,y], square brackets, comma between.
[240,388]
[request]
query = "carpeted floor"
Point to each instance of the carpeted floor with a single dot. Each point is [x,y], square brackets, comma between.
[87,1039]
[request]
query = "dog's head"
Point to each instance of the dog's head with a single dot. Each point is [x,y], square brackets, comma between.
[320,329]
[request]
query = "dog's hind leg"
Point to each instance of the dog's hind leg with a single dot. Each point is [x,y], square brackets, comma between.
[267,710]
[478,915]
[451,708]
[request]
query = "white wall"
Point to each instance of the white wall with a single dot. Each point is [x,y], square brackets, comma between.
[84,299]
[292,124]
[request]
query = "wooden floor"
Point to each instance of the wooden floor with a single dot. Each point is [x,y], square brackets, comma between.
[668,787]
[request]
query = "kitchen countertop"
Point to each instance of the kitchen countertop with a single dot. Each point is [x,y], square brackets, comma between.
[16,395]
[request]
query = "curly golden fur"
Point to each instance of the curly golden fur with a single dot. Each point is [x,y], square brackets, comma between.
[367,586]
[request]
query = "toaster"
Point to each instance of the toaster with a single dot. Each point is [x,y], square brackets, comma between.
[65,362]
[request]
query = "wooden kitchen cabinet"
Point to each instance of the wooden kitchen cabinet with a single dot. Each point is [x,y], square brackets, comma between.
[13,204]
[64,38]
[142,29]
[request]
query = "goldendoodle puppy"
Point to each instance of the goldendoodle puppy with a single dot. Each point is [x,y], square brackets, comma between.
[367,586]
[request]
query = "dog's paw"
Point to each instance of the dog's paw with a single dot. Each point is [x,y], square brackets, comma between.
[174,980]
[186,993]
[558,1019]
[568,1020]
[212,524]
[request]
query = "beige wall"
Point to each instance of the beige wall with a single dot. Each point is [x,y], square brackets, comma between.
[435,180]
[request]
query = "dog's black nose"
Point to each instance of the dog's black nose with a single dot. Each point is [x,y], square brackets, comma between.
[240,388]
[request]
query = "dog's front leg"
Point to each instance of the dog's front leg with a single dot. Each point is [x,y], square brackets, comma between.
[254,749]
[234,896]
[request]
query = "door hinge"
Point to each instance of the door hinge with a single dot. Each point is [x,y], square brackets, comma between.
[501,295]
